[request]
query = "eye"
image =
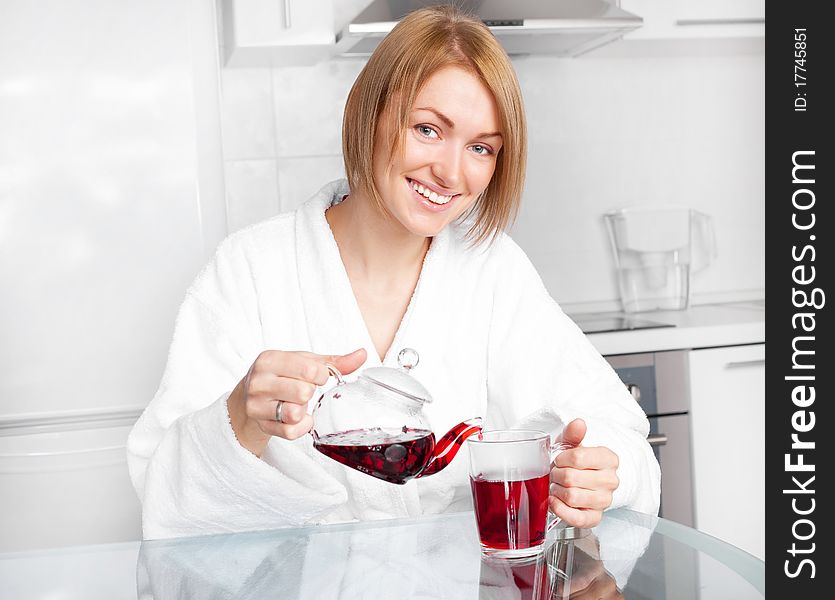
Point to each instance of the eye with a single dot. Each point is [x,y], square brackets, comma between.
[482,150]
[426,131]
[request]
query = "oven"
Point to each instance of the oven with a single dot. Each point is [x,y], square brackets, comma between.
[659,382]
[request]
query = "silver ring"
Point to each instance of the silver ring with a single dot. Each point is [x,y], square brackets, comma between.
[278,411]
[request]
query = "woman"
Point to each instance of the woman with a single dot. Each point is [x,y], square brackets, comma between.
[409,252]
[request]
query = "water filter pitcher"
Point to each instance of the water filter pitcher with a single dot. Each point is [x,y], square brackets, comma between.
[657,250]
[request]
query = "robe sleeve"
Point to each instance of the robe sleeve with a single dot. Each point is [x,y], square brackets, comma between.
[191,474]
[543,372]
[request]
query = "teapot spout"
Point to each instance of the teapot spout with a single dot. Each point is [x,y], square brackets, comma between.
[448,445]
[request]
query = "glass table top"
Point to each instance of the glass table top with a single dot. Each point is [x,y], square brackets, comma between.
[629,555]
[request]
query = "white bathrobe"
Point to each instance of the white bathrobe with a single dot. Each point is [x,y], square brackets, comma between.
[492,343]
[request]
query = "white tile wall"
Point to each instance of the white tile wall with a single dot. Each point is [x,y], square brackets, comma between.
[654,127]
[299,178]
[251,191]
[308,105]
[615,132]
[248,116]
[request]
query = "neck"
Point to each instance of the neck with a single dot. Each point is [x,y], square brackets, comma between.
[374,246]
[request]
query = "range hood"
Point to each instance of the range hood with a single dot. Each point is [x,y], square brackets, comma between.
[555,27]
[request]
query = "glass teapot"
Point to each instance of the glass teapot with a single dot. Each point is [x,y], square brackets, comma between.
[376,424]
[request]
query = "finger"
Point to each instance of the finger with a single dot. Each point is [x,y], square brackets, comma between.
[582,498]
[603,479]
[268,387]
[303,366]
[266,410]
[290,413]
[573,433]
[346,363]
[587,457]
[576,517]
[288,431]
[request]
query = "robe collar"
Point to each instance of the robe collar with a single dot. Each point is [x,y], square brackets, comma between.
[334,321]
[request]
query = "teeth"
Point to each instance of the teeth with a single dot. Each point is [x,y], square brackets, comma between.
[429,194]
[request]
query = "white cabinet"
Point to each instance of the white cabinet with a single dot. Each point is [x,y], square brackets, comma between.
[691,19]
[262,33]
[66,483]
[727,410]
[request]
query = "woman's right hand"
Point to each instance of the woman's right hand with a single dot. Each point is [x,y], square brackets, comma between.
[288,379]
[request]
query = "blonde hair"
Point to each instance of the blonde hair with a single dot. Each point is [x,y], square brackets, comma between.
[421,44]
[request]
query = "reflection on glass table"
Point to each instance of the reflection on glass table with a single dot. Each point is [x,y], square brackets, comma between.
[629,555]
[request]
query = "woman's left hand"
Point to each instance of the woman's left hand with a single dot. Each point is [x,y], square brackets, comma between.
[583,479]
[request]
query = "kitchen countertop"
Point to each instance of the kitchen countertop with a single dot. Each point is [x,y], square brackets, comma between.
[702,326]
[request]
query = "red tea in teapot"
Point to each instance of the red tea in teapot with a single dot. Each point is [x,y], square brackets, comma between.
[377,424]
[395,456]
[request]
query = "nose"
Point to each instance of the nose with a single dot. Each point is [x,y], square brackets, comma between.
[446,168]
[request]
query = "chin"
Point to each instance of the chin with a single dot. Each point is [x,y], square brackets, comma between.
[420,225]
[425,231]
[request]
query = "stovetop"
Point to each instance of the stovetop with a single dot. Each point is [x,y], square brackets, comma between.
[593,323]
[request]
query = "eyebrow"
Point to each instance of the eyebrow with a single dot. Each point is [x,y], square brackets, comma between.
[448,122]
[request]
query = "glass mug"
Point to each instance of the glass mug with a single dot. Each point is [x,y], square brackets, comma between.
[510,479]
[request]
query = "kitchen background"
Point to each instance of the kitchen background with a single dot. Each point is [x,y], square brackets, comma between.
[128,150]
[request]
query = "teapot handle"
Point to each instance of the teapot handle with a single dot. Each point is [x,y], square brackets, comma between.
[339,381]
[335,372]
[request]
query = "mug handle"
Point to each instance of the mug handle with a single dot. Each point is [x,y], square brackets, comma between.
[553,451]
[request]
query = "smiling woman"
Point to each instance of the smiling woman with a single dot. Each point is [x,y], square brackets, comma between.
[409,252]
[445,163]
[443,76]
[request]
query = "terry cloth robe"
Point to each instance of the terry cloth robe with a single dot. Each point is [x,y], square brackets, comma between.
[491,340]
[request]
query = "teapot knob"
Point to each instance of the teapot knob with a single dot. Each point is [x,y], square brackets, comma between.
[408,359]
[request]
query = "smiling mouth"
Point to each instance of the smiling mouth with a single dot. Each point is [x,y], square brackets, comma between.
[432,196]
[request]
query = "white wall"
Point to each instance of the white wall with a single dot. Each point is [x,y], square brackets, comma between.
[109,130]
[606,130]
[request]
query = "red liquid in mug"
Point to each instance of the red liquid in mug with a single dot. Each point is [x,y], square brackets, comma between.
[395,456]
[511,514]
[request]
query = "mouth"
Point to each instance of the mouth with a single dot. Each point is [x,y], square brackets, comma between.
[430,194]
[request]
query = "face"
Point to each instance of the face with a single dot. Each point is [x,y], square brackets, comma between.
[448,157]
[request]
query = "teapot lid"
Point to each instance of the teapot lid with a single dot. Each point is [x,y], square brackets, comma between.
[399,380]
